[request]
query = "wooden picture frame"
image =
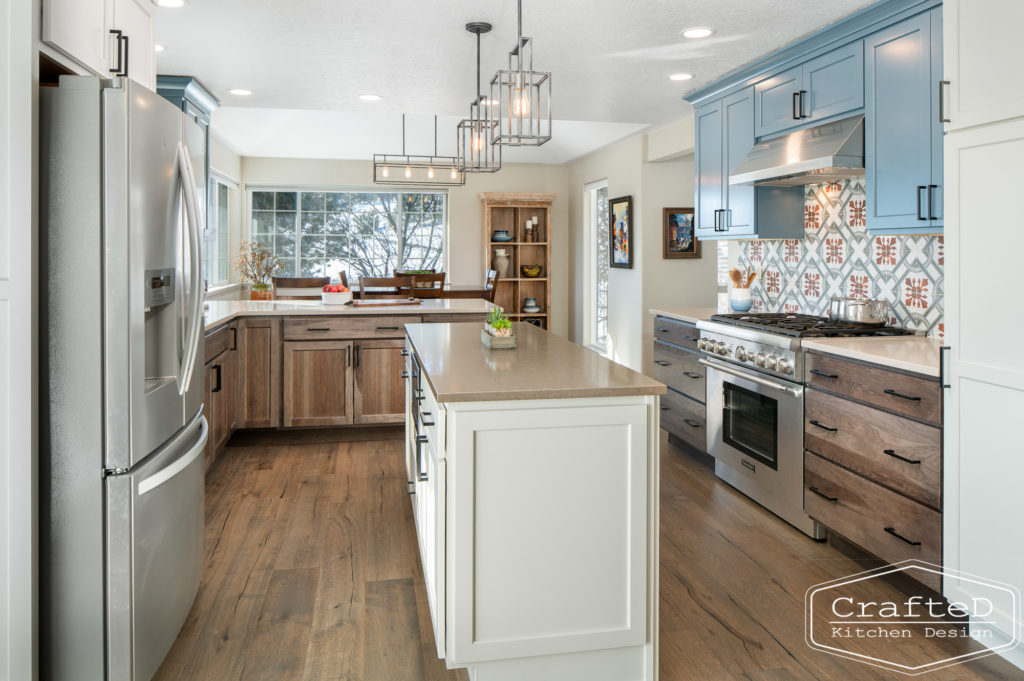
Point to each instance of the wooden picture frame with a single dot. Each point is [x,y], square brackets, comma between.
[679,238]
[620,232]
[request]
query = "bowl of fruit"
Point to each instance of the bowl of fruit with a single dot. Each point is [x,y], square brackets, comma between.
[335,294]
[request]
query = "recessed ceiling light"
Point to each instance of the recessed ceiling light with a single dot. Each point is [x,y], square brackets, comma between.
[158,47]
[370,98]
[697,32]
[169,3]
[681,76]
[241,92]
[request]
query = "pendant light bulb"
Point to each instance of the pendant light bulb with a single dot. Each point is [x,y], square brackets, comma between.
[385,172]
[408,172]
[521,103]
[430,172]
[453,174]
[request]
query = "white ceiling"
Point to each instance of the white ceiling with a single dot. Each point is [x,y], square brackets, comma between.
[307,61]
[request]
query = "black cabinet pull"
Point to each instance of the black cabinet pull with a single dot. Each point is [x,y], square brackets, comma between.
[796,98]
[410,487]
[217,388]
[931,202]
[316,328]
[404,374]
[691,338]
[691,423]
[888,391]
[690,374]
[387,328]
[234,338]
[893,532]
[802,114]
[348,357]
[356,353]
[425,414]
[662,363]
[823,495]
[661,330]
[404,353]
[126,53]
[664,408]
[920,188]
[894,455]
[119,38]
[823,427]
[816,372]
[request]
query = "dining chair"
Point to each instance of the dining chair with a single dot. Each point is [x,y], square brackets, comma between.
[428,285]
[490,285]
[385,287]
[298,288]
[343,277]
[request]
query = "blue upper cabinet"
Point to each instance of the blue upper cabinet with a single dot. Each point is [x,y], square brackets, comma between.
[902,131]
[821,88]
[724,136]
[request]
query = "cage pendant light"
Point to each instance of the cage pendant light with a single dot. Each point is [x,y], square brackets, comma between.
[411,169]
[521,97]
[476,154]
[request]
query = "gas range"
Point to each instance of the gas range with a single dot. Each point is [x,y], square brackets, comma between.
[770,342]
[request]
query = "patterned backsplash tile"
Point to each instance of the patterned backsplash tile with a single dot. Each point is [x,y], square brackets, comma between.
[838,258]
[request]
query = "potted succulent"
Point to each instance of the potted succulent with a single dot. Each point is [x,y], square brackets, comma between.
[497,331]
[256,265]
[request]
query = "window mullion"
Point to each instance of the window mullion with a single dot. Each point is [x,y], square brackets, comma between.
[400,232]
[298,234]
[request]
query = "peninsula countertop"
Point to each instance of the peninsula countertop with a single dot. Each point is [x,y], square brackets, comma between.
[918,354]
[544,366]
[223,311]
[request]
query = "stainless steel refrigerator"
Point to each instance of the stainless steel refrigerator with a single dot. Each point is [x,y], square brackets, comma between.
[123,430]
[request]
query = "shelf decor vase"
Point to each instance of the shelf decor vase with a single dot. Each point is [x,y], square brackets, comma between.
[501,262]
[260,292]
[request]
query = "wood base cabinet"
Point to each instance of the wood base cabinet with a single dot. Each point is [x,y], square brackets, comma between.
[318,383]
[378,389]
[259,347]
[220,374]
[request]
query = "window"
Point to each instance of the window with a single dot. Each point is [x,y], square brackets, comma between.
[365,234]
[216,265]
[595,217]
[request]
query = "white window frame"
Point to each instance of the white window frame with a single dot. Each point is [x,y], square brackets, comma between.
[362,189]
[590,267]
[217,178]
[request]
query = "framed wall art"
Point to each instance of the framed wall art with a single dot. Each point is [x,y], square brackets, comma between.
[620,231]
[679,239]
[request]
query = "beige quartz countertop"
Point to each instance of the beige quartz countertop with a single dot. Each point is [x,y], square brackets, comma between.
[544,366]
[686,314]
[918,354]
[222,311]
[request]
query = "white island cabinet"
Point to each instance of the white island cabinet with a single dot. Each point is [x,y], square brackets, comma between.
[533,474]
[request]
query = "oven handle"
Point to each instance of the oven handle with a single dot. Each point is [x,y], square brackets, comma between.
[726,369]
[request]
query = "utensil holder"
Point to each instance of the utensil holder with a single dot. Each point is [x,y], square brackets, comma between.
[740,299]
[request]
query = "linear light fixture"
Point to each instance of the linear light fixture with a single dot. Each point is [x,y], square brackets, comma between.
[476,153]
[524,97]
[411,169]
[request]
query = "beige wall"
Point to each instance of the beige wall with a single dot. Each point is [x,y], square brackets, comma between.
[465,245]
[229,164]
[653,281]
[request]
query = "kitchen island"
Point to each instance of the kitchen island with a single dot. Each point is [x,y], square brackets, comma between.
[533,474]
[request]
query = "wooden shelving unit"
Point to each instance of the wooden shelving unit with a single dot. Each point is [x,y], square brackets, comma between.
[511,211]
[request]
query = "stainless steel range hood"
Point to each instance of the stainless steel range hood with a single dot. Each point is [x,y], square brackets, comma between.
[820,154]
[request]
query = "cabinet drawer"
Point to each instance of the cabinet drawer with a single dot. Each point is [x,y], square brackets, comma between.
[455,318]
[895,452]
[872,516]
[217,341]
[919,398]
[680,370]
[685,418]
[328,328]
[676,332]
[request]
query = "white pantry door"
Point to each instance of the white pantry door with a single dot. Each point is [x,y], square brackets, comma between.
[18,481]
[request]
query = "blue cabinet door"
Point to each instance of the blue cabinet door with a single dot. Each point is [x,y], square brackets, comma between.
[834,83]
[739,218]
[899,122]
[709,166]
[775,103]
[936,195]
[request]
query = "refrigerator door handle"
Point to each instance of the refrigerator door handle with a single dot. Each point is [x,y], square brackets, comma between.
[187,178]
[165,474]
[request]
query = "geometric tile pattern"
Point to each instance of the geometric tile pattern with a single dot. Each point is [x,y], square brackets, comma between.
[837,257]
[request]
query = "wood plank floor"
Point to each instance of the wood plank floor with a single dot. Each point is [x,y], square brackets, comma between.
[312,574]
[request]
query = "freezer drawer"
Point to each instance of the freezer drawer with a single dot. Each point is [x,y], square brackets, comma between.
[154,552]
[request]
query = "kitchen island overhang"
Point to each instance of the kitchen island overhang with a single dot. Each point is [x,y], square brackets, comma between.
[533,475]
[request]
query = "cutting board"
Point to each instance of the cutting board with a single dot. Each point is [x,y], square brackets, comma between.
[385,302]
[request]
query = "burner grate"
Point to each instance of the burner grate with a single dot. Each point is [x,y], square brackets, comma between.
[806,326]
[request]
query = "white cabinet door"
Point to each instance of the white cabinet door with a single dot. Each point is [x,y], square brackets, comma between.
[78,28]
[133,19]
[983,476]
[982,57]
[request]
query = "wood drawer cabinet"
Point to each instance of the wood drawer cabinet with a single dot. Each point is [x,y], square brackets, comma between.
[453,318]
[914,396]
[347,328]
[318,383]
[683,334]
[686,418]
[680,370]
[903,455]
[259,348]
[885,523]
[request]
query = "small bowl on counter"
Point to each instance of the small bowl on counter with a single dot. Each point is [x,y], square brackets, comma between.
[336,298]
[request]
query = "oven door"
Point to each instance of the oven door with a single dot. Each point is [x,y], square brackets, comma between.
[755,433]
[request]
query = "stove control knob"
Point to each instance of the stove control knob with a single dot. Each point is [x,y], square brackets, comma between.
[773,361]
[784,366]
[759,360]
[702,344]
[721,348]
[741,353]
